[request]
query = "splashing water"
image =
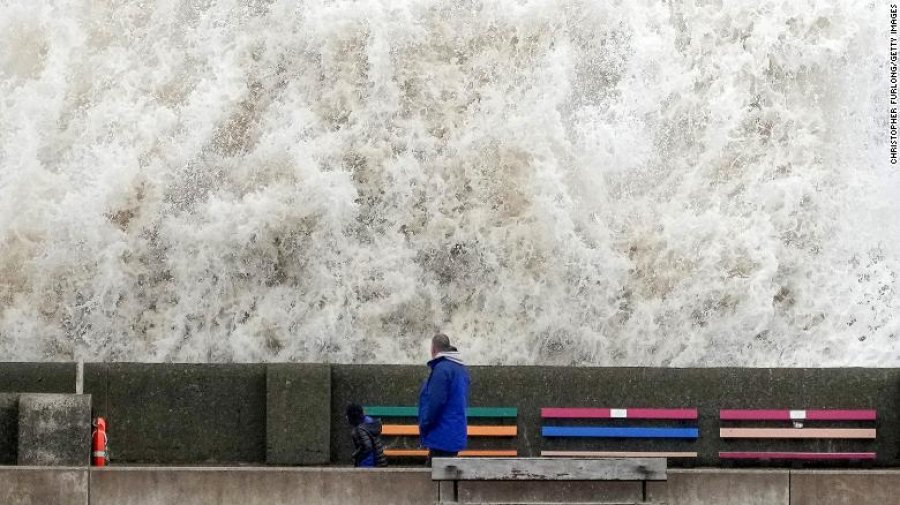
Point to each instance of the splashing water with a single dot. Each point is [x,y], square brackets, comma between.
[547,181]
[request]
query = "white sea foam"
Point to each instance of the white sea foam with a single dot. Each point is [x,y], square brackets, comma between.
[547,181]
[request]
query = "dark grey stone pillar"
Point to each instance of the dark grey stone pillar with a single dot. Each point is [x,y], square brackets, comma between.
[182,413]
[9,428]
[54,429]
[298,414]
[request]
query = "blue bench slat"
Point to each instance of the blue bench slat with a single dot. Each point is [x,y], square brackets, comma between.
[616,432]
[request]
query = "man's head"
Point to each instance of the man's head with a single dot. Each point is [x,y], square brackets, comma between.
[440,343]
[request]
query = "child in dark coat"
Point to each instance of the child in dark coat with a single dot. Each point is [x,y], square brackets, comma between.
[368,451]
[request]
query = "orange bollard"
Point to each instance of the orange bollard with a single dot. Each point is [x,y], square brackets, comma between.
[99,454]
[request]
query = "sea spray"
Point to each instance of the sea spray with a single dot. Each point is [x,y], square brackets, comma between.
[547,181]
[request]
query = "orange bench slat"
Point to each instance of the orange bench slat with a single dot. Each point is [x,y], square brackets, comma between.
[473,431]
[479,453]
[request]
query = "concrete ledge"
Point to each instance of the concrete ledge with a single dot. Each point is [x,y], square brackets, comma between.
[413,486]
[24,485]
[549,492]
[261,486]
[711,486]
[845,487]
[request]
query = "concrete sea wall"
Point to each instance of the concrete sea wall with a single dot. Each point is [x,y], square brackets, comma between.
[292,414]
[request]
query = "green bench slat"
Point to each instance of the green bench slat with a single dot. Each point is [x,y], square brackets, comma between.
[387,411]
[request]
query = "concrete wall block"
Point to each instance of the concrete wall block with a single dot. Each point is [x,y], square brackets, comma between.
[54,429]
[298,414]
[43,486]
[18,377]
[710,486]
[845,487]
[179,413]
[261,486]
[549,492]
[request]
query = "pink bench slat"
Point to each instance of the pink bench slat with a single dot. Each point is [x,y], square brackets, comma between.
[602,413]
[798,415]
[847,433]
[797,455]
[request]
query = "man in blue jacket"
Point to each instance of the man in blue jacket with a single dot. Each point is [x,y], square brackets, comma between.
[443,400]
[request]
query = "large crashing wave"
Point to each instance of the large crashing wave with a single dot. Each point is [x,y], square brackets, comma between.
[547,181]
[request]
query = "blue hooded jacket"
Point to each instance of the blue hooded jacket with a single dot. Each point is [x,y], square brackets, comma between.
[442,404]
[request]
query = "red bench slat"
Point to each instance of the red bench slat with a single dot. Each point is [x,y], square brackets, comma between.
[604,413]
[821,456]
[797,415]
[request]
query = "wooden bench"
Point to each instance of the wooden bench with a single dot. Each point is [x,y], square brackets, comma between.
[450,471]
[412,430]
[621,432]
[797,431]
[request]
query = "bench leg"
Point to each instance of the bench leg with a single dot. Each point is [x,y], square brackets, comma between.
[447,491]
